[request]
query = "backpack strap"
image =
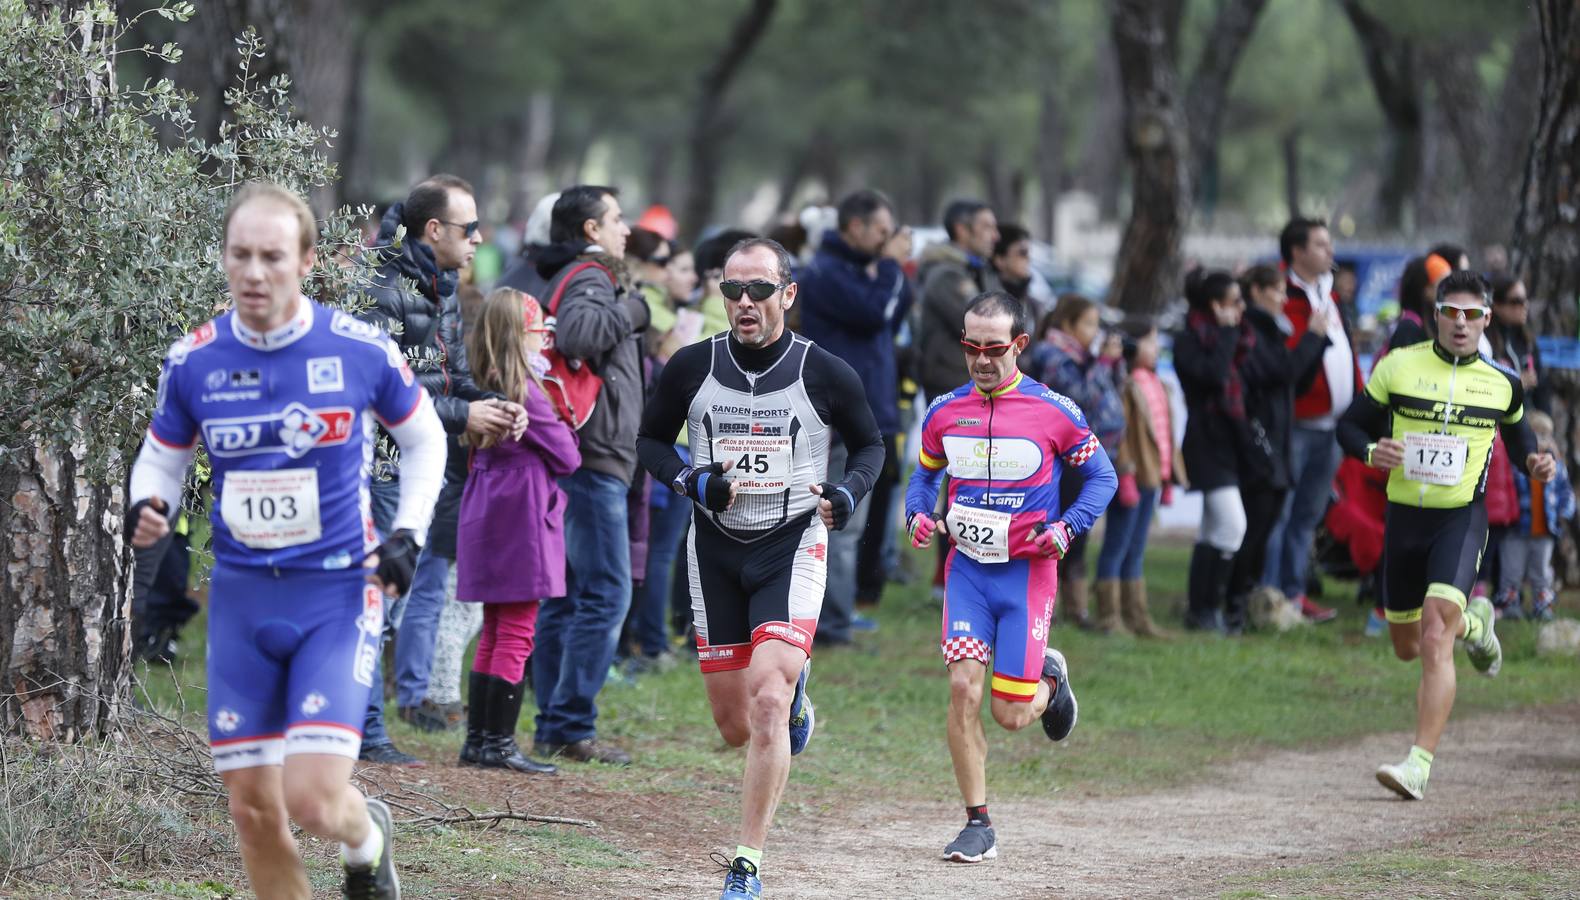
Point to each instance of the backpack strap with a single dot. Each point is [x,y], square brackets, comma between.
[572,272]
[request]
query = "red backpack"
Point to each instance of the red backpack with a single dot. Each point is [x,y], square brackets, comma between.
[571,384]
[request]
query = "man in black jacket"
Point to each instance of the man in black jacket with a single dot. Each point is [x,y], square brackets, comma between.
[601,324]
[413,295]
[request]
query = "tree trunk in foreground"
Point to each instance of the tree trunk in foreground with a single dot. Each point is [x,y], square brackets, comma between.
[1547,231]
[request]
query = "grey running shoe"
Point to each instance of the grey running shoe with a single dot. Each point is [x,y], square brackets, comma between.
[974,844]
[377,881]
[1059,718]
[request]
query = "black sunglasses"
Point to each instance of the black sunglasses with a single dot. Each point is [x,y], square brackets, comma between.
[469,227]
[758,290]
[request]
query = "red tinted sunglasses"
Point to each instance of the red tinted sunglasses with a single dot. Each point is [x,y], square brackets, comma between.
[993,350]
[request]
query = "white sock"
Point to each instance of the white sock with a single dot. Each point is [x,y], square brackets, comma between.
[367,853]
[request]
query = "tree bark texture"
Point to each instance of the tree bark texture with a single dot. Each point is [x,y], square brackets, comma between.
[1289,148]
[1050,159]
[66,603]
[706,141]
[1146,274]
[65,575]
[1391,65]
[324,50]
[1205,98]
[1547,230]
[1488,133]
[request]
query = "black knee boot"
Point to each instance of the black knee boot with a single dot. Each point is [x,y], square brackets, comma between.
[499,734]
[478,689]
[1204,591]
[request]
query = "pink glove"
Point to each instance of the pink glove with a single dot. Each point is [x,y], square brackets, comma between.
[1052,539]
[922,528]
[1168,494]
[1129,495]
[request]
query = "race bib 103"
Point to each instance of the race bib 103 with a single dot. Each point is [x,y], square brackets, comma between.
[272,509]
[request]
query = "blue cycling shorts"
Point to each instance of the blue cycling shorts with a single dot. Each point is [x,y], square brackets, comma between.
[290,662]
[1000,610]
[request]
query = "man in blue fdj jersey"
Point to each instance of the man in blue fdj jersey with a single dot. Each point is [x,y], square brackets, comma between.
[284,393]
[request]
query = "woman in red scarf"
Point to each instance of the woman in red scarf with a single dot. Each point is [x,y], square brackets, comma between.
[1208,355]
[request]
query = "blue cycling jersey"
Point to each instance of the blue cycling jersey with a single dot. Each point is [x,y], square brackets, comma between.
[285,417]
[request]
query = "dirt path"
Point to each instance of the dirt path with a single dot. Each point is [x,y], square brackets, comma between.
[1282,809]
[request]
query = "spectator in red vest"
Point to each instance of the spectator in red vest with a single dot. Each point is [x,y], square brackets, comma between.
[1307,251]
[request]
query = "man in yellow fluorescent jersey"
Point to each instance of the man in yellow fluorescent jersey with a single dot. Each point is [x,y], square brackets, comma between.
[1429,415]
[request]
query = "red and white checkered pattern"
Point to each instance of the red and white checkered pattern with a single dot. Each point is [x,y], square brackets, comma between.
[1081,454]
[965,647]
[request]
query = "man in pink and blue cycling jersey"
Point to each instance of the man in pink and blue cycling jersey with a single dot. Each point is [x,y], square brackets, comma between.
[1004,440]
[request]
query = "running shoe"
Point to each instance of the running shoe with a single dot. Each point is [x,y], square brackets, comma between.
[377,881]
[1407,779]
[1485,653]
[1059,718]
[802,717]
[974,844]
[741,882]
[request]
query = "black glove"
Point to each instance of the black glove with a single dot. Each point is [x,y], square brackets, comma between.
[135,512]
[706,485]
[397,561]
[838,496]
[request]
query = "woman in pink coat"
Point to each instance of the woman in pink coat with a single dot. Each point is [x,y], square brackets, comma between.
[510,545]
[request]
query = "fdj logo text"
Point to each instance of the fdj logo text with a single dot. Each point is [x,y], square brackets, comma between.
[292,431]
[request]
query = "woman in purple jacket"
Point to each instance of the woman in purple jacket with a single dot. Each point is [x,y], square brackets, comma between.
[510,545]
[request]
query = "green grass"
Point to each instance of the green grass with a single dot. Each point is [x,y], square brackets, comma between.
[1151,713]
[1524,855]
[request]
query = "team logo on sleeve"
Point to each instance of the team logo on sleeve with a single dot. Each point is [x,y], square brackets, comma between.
[324,375]
[198,337]
[292,431]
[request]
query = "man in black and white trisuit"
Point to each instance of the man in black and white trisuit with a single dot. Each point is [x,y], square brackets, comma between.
[761,405]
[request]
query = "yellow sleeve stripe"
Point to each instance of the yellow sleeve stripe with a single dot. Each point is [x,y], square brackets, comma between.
[930,461]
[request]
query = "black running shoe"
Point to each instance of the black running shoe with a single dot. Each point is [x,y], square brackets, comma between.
[974,844]
[377,881]
[1059,718]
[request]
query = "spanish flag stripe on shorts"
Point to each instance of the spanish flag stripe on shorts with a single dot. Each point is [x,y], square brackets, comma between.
[1011,688]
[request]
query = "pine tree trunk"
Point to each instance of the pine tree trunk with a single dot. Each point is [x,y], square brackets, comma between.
[66,600]
[65,573]
[1146,274]
[1547,231]
[706,142]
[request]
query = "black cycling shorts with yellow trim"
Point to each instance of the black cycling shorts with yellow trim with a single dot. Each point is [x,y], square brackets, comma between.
[1430,552]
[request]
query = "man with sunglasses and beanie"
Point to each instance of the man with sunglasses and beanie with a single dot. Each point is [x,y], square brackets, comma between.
[598,323]
[762,406]
[1004,440]
[1428,415]
[414,301]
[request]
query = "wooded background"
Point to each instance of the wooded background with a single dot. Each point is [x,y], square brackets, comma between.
[1393,117]
[1398,120]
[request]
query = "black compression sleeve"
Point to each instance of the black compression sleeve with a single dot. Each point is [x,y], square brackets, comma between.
[1518,439]
[835,389]
[1363,423]
[666,411]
